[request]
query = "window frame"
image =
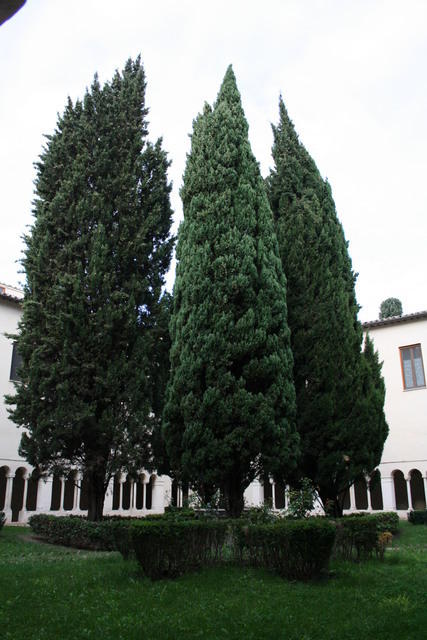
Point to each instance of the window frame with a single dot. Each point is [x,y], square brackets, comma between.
[411,347]
[15,364]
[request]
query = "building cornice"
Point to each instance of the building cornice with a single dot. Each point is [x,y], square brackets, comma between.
[409,317]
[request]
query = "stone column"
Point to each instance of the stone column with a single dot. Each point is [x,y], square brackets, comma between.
[108,501]
[22,516]
[44,494]
[368,493]
[158,496]
[425,489]
[8,497]
[352,498]
[61,493]
[144,494]
[121,483]
[273,494]
[77,491]
[408,489]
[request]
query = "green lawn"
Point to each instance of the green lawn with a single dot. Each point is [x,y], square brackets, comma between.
[50,593]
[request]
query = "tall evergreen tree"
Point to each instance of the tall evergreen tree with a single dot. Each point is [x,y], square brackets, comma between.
[336,434]
[95,262]
[229,413]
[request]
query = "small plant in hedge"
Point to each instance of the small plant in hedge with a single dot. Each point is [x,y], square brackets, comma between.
[418,516]
[384,539]
[301,500]
[2,519]
[260,515]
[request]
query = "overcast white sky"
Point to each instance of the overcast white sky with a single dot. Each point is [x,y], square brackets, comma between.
[352,74]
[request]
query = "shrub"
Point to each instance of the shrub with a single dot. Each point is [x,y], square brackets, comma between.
[295,549]
[167,549]
[356,537]
[73,531]
[387,521]
[301,501]
[383,540]
[260,515]
[418,516]
[2,519]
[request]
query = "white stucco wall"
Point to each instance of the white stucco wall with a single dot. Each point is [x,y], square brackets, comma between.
[406,410]
[10,435]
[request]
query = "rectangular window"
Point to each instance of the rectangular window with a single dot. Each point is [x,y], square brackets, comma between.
[412,367]
[16,363]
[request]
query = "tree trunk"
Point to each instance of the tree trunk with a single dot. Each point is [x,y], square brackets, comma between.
[234,501]
[333,505]
[96,493]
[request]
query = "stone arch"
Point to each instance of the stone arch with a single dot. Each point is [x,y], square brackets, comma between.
[4,472]
[55,500]
[268,491]
[400,491]
[344,497]
[32,490]
[361,494]
[376,491]
[417,489]
[174,493]
[139,492]
[69,491]
[116,492]
[126,493]
[279,495]
[149,493]
[18,486]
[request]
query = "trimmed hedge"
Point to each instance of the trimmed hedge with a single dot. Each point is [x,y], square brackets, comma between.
[356,538]
[72,531]
[168,548]
[418,516]
[387,521]
[2,519]
[295,549]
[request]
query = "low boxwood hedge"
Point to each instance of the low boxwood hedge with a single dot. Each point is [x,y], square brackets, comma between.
[168,548]
[356,538]
[295,549]
[418,516]
[74,531]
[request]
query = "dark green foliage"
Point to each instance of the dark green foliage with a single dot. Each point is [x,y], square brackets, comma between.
[93,366]
[390,307]
[230,405]
[356,538]
[297,550]
[168,548]
[75,532]
[2,519]
[418,516]
[387,521]
[339,414]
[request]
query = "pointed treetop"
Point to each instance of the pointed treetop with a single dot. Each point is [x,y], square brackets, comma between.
[228,91]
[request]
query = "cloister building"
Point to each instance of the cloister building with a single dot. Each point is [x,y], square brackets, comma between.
[398,484]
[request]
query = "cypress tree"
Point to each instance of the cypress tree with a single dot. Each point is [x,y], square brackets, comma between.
[229,414]
[336,433]
[95,261]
